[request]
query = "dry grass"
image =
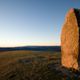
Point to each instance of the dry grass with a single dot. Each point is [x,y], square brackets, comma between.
[28,65]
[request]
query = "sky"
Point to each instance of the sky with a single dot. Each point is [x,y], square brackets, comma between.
[33,22]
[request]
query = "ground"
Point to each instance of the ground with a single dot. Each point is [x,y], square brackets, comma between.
[31,65]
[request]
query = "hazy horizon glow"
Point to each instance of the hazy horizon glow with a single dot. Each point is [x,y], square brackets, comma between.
[32,22]
[29,44]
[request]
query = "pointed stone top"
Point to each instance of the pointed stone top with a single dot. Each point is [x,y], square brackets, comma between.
[72,10]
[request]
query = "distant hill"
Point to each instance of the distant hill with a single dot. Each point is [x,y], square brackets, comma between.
[33,48]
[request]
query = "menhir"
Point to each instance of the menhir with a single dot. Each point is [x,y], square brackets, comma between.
[70,40]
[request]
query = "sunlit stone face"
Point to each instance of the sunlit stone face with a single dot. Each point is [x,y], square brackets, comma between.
[70,40]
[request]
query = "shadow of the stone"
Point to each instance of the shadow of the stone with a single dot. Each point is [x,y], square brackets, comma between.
[70,72]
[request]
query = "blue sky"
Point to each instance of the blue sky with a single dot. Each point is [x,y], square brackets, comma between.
[33,22]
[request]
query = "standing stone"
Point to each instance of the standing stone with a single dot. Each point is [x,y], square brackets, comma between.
[70,40]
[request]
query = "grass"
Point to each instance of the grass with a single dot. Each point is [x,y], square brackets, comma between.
[31,65]
[27,65]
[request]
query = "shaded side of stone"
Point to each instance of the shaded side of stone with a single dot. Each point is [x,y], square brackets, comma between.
[77,13]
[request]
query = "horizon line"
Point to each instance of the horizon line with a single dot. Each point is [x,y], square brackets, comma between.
[27,46]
